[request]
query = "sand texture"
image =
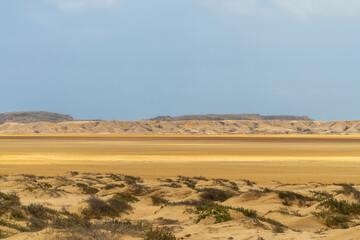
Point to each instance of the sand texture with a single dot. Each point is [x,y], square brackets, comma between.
[82,206]
[288,159]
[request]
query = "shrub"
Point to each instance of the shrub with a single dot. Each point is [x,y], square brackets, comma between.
[138,189]
[39,211]
[12,225]
[9,200]
[74,173]
[278,229]
[234,186]
[3,234]
[249,183]
[159,234]
[320,196]
[220,213]
[127,197]
[247,212]
[36,224]
[17,214]
[288,197]
[73,220]
[337,221]
[130,180]
[44,185]
[349,189]
[157,200]
[111,186]
[87,189]
[341,207]
[173,185]
[213,194]
[99,208]
[201,178]
[191,184]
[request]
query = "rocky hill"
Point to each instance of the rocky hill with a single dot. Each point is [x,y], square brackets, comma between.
[221,117]
[185,127]
[31,117]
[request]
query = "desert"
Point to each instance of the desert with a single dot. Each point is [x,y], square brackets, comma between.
[179,120]
[97,186]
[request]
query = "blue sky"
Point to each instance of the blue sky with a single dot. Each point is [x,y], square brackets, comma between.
[136,59]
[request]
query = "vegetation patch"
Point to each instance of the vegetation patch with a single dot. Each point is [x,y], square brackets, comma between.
[159,234]
[99,208]
[111,186]
[127,197]
[213,194]
[349,189]
[87,189]
[157,200]
[220,213]
[341,206]
[289,197]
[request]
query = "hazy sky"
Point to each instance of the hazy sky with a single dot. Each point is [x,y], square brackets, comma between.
[136,59]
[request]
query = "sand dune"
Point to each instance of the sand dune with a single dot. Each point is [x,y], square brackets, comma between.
[246,210]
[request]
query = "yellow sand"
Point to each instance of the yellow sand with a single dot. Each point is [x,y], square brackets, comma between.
[261,158]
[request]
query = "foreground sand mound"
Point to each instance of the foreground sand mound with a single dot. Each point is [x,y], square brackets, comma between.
[114,206]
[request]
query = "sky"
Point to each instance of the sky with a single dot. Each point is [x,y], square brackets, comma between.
[137,59]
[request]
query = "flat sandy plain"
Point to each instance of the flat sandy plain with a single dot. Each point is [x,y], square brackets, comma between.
[260,158]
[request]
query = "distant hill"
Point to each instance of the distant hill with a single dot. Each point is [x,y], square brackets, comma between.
[31,117]
[221,117]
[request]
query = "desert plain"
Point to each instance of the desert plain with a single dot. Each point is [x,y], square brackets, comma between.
[194,186]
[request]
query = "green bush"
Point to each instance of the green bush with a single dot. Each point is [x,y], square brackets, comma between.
[9,200]
[341,207]
[99,208]
[157,200]
[87,189]
[111,186]
[127,197]
[159,234]
[39,211]
[213,194]
[220,213]
[73,220]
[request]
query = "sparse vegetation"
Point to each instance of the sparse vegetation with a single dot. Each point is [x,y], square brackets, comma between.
[87,189]
[349,189]
[173,185]
[93,220]
[289,197]
[220,213]
[213,194]
[157,200]
[111,186]
[127,197]
[341,206]
[159,234]
[99,208]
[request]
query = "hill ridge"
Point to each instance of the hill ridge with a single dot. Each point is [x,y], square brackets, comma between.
[221,117]
[33,116]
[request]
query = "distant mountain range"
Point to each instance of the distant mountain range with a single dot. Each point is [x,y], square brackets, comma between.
[54,123]
[222,117]
[31,117]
